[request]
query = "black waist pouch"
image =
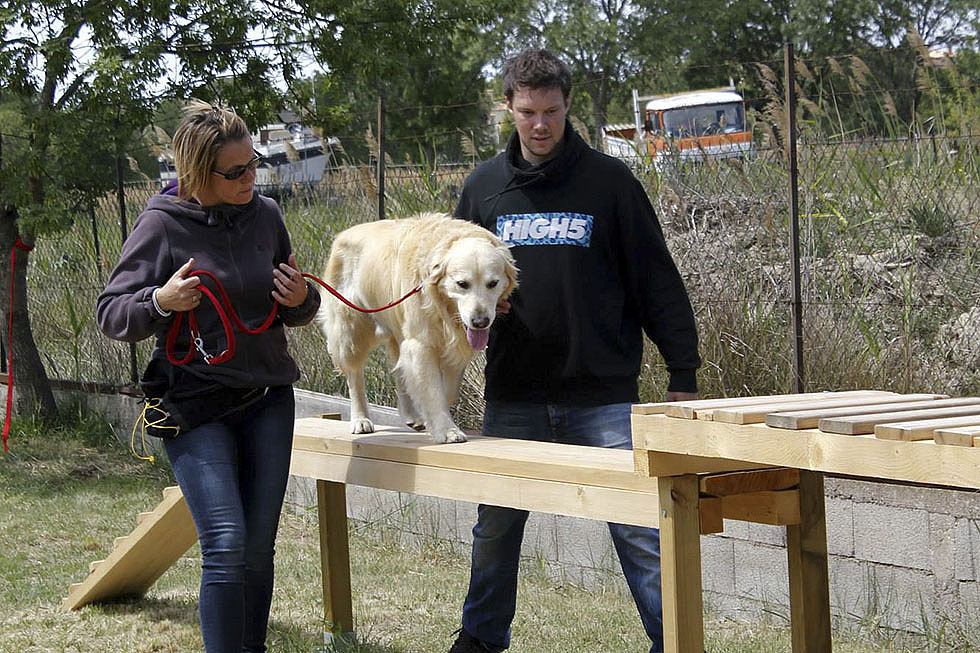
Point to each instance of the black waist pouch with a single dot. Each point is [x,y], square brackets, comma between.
[176,401]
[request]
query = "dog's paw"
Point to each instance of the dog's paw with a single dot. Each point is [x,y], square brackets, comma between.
[362,425]
[452,435]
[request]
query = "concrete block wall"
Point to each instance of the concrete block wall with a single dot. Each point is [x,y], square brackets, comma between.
[905,557]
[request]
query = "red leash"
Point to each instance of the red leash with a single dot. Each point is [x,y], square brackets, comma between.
[225,309]
[18,244]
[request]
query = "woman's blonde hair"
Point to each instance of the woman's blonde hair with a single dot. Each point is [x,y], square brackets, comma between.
[204,130]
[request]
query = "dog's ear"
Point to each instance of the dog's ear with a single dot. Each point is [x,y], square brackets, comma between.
[510,270]
[435,264]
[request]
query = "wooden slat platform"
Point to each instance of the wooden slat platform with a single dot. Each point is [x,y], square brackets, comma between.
[809,449]
[809,419]
[862,424]
[756,414]
[694,409]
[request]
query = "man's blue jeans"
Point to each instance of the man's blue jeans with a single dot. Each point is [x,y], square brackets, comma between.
[233,475]
[492,598]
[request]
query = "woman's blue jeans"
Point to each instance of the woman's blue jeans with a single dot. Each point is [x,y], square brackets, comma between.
[233,475]
[492,597]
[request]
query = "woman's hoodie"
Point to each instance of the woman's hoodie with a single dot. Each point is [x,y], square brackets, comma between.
[240,246]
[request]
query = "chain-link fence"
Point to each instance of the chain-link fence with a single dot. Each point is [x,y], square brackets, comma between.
[888,260]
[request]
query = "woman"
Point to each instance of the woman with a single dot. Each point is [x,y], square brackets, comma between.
[235,418]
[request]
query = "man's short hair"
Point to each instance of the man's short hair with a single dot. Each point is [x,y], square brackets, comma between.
[536,69]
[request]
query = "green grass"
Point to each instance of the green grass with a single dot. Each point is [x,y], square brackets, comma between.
[69,489]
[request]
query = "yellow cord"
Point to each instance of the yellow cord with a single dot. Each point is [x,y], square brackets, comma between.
[142,421]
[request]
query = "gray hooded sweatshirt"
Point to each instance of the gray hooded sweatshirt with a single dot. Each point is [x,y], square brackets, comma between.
[240,245]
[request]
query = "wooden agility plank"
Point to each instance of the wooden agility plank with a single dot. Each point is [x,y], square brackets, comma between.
[757,414]
[560,498]
[913,431]
[965,436]
[808,419]
[861,424]
[690,409]
[137,560]
[596,466]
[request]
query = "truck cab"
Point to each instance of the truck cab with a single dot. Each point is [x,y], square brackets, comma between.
[696,125]
[683,127]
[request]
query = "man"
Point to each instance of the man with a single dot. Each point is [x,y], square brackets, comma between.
[564,359]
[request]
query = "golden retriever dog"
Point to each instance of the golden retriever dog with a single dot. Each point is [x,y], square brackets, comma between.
[462,269]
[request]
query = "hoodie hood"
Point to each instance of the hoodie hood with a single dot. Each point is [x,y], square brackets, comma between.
[221,214]
[571,149]
[523,174]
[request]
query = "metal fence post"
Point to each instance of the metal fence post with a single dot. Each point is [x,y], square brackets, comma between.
[796,305]
[124,230]
[381,157]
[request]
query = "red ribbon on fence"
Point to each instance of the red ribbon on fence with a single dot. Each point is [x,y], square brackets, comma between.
[18,244]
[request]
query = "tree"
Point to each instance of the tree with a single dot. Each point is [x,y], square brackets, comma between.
[77,79]
[424,56]
[602,40]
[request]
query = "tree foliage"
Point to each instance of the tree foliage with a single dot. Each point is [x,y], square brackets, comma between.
[425,57]
[77,81]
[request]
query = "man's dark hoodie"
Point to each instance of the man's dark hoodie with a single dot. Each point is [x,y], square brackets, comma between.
[595,273]
[240,245]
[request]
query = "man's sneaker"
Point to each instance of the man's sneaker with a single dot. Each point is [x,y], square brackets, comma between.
[466,643]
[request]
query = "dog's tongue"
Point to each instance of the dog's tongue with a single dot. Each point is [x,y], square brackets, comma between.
[477,338]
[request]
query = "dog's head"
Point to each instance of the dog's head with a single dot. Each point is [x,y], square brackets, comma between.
[471,274]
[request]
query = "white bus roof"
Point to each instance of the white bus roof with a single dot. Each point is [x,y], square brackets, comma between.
[693,99]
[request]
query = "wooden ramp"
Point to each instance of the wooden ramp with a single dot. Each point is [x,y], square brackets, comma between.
[137,560]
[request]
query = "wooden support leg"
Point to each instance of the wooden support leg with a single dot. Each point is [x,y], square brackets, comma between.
[335,561]
[680,564]
[809,588]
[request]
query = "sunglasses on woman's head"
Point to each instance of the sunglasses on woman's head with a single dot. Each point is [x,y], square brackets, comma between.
[238,171]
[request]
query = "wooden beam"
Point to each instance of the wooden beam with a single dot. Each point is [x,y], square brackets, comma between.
[809,589]
[338,611]
[719,485]
[680,548]
[561,498]
[774,508]
[710,517]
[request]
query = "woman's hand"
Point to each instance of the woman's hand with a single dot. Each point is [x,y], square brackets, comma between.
[290,285]
[180,293]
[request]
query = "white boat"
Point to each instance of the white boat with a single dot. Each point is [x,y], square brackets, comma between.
[292,156]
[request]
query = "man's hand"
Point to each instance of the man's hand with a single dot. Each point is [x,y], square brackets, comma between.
[681,396]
